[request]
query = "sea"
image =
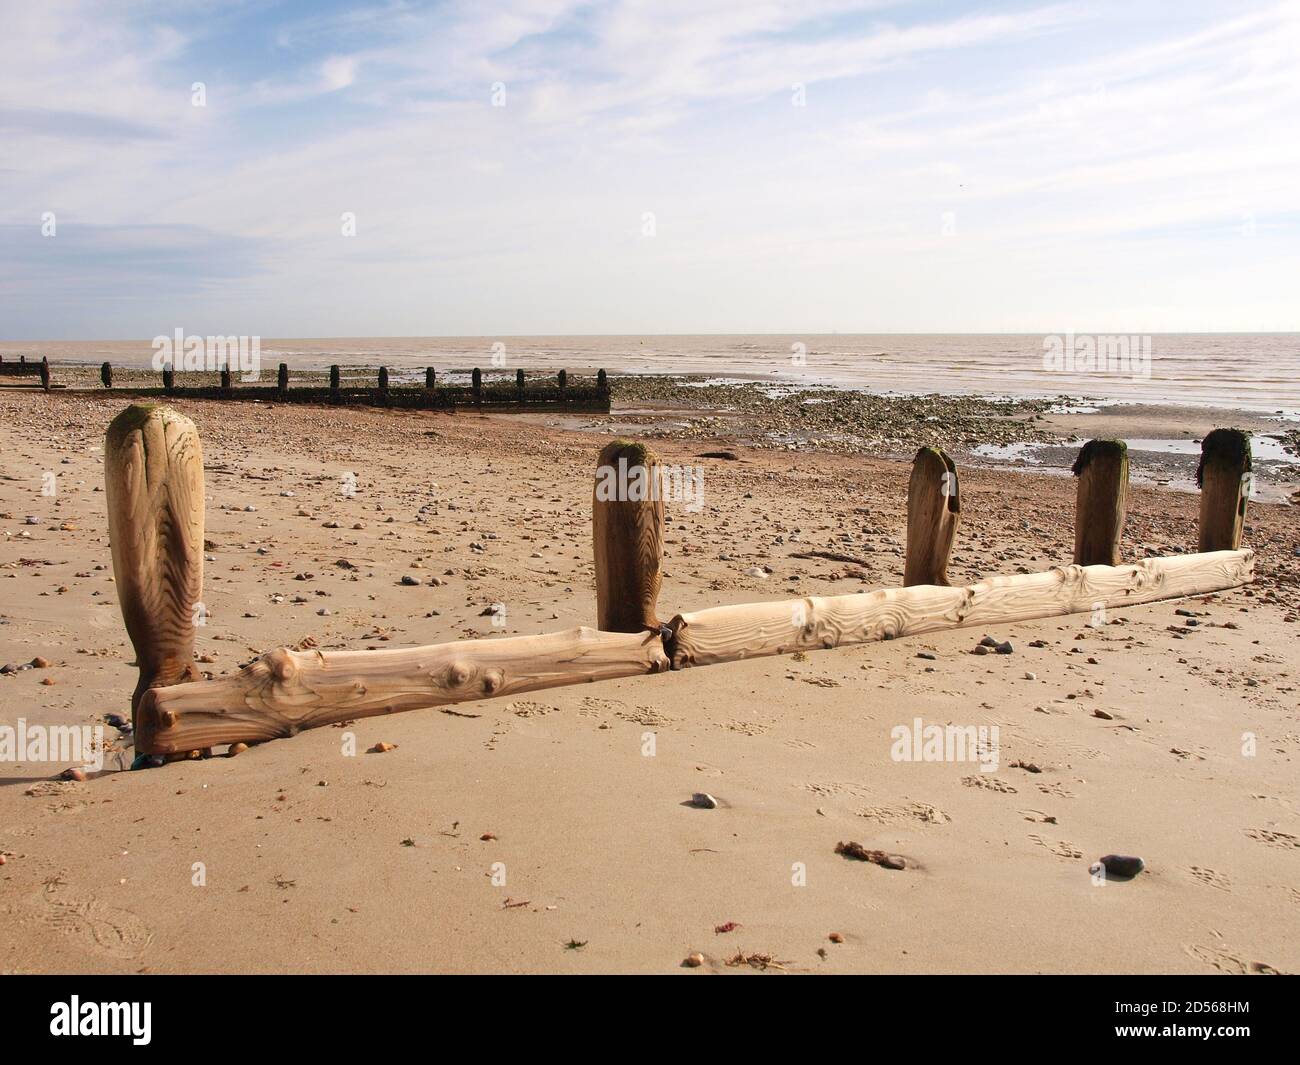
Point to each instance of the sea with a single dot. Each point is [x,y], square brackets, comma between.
[1248,371]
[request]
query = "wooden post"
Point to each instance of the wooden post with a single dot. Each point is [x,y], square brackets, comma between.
[563,379]
[225,378]
[383,383]
[1225,479]
[153,482]
[169,378]
[933,513]
[428,377]
[476,383]
[627,524]
[1102,469]
[106,375]
[45,373]
[334,384]
[282,378]
[602,380]
[519,384]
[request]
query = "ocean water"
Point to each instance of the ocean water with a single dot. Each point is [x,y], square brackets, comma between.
[1249,371]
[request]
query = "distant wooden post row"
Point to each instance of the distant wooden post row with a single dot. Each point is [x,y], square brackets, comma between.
[153,467]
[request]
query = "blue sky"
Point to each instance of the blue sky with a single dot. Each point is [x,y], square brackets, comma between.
[671,167]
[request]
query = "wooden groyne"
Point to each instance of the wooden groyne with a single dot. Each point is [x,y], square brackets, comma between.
[537,393]
[154,479]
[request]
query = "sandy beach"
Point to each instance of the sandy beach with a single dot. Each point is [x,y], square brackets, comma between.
[537,834]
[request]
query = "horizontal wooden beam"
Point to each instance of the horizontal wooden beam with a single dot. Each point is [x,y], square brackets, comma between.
[728,633]
[286,691]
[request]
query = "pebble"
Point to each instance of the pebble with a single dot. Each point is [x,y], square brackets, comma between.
[408,579]
[382,748]
[836,937]
[1123,866]
[980,649]
[702,800]
[40,663]
[926,655]
[1004,648]
[1029,675]
[73,774]
[236,748]
[693,961]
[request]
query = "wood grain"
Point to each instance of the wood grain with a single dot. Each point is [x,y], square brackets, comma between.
[627,538]
[933,514]
[153,482]
[723,634]
[286,691]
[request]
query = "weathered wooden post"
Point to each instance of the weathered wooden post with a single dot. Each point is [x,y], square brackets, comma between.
[106,375]
[225,380]
[169,379]
[383,384]
[602,380]
[519,384]
[933,514]
[45,373]
[476,383]
[428,377]
[627,524]
[282,379]
[1102,469]
[153,482]
[563,380]
[334,384]
[1226,481]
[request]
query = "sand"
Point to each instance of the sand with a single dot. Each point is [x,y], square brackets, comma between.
[537,833]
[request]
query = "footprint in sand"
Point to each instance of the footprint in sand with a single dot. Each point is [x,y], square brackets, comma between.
[1275,839]
[1227,962]
[1061,848]
[982,780]
[912,811]
[1210,877]
[104,929]
[800,745]
[591,706]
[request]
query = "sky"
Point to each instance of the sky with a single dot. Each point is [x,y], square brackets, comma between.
[525,167]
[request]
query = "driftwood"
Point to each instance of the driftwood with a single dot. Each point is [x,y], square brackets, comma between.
[1102,469]
[1224,479]
[933,514]
[153,480]
[627,526]
[727,633]
[286,691]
